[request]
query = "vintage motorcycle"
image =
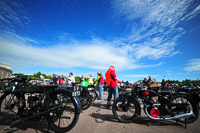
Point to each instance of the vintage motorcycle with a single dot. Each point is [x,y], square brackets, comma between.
[59,106]
[85,98]
[158,105]
[82,92]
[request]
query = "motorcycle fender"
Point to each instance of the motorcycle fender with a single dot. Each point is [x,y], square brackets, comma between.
[181,93]
[90,93]
[194,96]
[75,99]
[96,92]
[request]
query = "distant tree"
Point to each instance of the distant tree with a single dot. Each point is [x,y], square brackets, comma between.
[20,74]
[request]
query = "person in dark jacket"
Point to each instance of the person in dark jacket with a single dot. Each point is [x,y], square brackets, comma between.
[54,79]
[145,82]
[100,86]
[164,84]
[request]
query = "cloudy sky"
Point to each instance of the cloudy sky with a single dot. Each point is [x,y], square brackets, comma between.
[138,37]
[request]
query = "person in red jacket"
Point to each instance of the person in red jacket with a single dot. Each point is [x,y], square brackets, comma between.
[111,83]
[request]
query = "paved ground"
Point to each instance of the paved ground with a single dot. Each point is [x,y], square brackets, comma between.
[87,123]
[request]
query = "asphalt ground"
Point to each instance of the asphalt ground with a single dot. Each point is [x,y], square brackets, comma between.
[87,123]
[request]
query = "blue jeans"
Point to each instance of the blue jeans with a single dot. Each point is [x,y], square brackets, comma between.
[105,88]
[100,87]
[114,91]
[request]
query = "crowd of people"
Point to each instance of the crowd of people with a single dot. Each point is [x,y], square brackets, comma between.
[110,83]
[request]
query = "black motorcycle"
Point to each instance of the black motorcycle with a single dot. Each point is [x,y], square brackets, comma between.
[84,95]
[160,105]
[59,106]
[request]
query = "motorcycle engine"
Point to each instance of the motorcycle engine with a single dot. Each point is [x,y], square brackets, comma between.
[164,109]
[33,105]
[32,100]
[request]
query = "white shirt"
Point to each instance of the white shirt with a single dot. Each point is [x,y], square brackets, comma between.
[70,80]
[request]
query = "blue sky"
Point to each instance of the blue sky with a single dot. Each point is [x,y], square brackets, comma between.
[139,38]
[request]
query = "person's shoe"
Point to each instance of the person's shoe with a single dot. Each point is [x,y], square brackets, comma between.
[109,106]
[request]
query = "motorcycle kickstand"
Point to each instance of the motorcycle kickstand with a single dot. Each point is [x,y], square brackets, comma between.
[185,123]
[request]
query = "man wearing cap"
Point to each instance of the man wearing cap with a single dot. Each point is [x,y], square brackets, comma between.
[111,83]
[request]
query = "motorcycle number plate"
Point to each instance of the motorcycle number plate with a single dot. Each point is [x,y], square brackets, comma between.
[76,93]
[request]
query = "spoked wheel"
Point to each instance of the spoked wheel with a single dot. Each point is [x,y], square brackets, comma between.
[9,105]
[183,104]
[86,100]
[94,95]
[64,117]
[125,110]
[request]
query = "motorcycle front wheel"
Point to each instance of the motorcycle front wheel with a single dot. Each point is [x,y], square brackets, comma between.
[9,108]
[64,117]
[125,110]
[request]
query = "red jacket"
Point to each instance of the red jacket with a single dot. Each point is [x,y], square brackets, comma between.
[110,78]
[101,80]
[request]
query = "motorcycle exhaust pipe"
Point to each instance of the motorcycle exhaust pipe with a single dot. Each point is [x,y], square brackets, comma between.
[170,118]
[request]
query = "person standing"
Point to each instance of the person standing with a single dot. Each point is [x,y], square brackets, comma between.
[82,78]
[98,76]
[100,86]
[145,82]
[61,80]
[90,81]
[54,79]
[111,83]
[70,79]
[150,80]
[164,84]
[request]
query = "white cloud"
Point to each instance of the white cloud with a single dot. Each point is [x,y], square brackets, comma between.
[13,15]
[154,31]
[141,76]
[193,65]
[95,54]
[155,24]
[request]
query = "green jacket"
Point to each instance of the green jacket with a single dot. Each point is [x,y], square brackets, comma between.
[98,77]
[90,81]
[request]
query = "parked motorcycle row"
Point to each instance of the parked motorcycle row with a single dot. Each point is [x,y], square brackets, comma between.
[61,105]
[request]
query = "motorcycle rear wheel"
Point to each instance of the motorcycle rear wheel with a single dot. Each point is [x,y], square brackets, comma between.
[94,95]
[183,105]
[85,100]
